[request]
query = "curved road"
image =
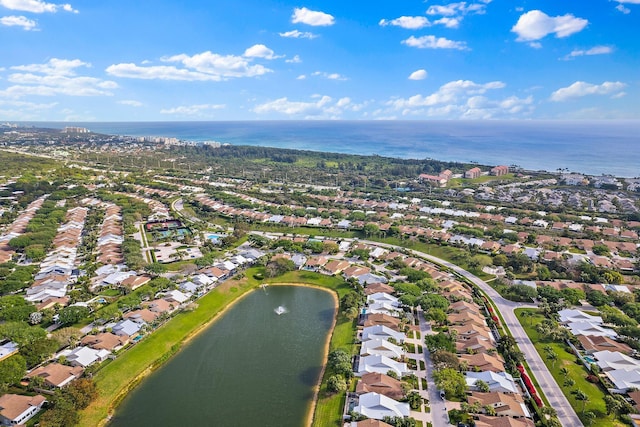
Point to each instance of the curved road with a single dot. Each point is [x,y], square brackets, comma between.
[548,384]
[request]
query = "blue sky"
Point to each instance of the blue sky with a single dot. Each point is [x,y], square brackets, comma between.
[95,60]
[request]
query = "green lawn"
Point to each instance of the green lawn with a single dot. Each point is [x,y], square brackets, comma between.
[117,378]
[577,372]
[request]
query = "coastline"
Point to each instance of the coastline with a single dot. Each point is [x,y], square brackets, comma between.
[178,346]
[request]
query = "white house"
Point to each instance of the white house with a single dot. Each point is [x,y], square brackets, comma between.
[16,409]
[588,328]
[500,381]
[381,365]
[377,406]
[382,332]
[570,316]
[383,308]
[381,347]
[381,297]
[85,356]
[624,380]
[614,360]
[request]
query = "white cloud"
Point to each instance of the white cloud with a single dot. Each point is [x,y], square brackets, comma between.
[56,77]
[623,9]
[418,75]
[301,77]
[295,60]
[461,99]
[23,110]
[260,51]
[18,21]
[580,89]
[535,45]
[460,8]
[298,34]
[535,25]
[199,110]
[629,1]
[448,22]
[36,6]
[329,76]
[322,107]
[131,103]
[205,66]
[596,50]
[433,42]
[408,22]
[302,15]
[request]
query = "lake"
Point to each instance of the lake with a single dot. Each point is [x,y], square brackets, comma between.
[251,367]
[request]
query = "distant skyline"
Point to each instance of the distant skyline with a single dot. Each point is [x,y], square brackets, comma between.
[92,60]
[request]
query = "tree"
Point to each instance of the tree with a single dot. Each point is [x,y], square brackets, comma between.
[590,417]
[569,382]
[440,341]
[582,397]
[482,386]
[279,266]
[437,315]
[67,336]
[445,359]
[371,229]
[336,384]
[72,314]
[414,400]
[12,370]
[452,382]
[553,357]
[612,404]
[82,392]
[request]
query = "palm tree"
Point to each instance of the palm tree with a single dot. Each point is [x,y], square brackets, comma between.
[569,382]
[564,371]
[589,417]
[581,396]
[553,356]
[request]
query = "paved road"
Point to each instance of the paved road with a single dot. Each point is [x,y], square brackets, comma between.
[439,415]
[548,384]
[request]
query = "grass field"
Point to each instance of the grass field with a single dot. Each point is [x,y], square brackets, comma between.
[577,372]
[117,378]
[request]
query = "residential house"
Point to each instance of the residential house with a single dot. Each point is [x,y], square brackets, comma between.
[504,404]
[500,170]
[613,360]
[487,421]
[383,308]
[501,382]
[8,348]
[378,406]
[57,375]
[592,344]
[381,347]
[382,319]
[374,288]
[380,383]
[127,328]
[383,297]
[105,341]
[370,423]
[16,409]
[473,173]
[381,365]
[382,332]
[483,362]
[85,356]
[624,380]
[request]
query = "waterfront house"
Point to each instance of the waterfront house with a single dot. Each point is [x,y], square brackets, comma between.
[381,365]
[382,332]
[378,406]
[381,347]
[16,409]
[85,356]
[57,375]
[105,341]
[380,383]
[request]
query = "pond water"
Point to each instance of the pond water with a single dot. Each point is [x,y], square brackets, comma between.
[251,367]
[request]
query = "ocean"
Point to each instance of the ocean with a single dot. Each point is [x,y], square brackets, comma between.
[590,147]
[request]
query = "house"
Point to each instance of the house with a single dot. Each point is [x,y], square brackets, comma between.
[370,423]
[567,316]
[487,421]
[105,341]
[374,288]
[381,297]
[8,348]
[592,344]
[381,347]
[381,365]
[57,375]
[382,319]
[16,409]
[176,296]
[335,266]
[380,383]
[85,356]
[160,306]
[613,360]
[500,170]
[483,362]
[498,381]
[378,406]
[134,282]
[142,316]
[464,307]
[473,173]
[505,405]
[588,328]
[624,380]
[477,344]
[126,328]
[382,332]
[383,308]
